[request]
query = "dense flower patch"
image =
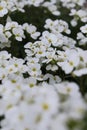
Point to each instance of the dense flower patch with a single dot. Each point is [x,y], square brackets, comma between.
[43,64]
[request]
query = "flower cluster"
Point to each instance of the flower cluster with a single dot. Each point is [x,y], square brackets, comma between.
[82,36]
[8,6]
[43,65]
[41,107]
[13,29]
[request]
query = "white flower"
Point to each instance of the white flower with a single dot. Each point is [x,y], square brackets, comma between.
[40,52]
[49,101]
[4,55]
[79,14]
[49,38]
[21,116]
[31,29]
[52,67]
[18,32]
[51,5]
[11,69]
[50,24]
[3,8]
[10,25]
[84,29]
[67,88]
[18,64]
[31,81]
[34,70]
[70,60]
[57,26]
